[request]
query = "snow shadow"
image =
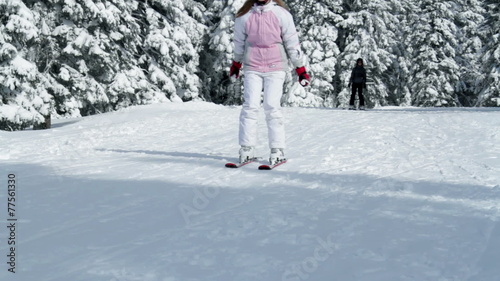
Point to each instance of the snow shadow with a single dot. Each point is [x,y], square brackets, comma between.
[471,196]
[60,124]
[288,226]
[188,155]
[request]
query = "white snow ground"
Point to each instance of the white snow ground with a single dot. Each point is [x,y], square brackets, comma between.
[142,194]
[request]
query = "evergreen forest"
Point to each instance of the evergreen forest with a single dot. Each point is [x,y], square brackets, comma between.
[72,58]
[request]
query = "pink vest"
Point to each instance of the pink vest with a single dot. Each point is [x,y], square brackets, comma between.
[264,39]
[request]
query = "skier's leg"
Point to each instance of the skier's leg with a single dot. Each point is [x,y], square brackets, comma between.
[250,110]
[273,90]
[353,95]
[361,97]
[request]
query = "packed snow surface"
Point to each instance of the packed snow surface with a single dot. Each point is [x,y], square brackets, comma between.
[142,194]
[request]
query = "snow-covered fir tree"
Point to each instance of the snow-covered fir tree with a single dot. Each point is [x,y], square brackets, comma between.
[316,23]
[469,17]
[172,44]
[24,96]
[218,54]
[398,72]
[488,89]
[92,48]
[434,70]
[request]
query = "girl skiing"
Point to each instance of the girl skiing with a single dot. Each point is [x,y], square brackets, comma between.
[264,39]
[358,81]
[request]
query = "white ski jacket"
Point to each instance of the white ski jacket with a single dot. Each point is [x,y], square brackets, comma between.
[264,39]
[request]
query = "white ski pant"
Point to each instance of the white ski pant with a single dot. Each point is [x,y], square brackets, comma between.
[272,85]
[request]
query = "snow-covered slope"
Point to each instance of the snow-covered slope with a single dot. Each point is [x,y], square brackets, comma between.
[142,194]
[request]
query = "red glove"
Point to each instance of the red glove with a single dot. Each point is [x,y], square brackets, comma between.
[235,69]
[304,78]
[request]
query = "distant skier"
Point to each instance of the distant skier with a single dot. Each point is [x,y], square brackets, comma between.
[265,38]
[358,82]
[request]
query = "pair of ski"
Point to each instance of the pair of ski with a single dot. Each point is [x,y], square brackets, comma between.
[261,167]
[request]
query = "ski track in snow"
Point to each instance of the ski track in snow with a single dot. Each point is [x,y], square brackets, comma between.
[142,194]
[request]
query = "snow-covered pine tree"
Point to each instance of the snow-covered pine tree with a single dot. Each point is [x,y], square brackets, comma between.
[316,22]
[469,16]
[217,56]
[398,72]
[24,99]
[488,89]
[44,54]
[434,71]
[129,84]
[173,44]
[97,46]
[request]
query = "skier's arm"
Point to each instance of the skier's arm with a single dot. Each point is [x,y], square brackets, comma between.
[240,37]
[291,39]
[364,78]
